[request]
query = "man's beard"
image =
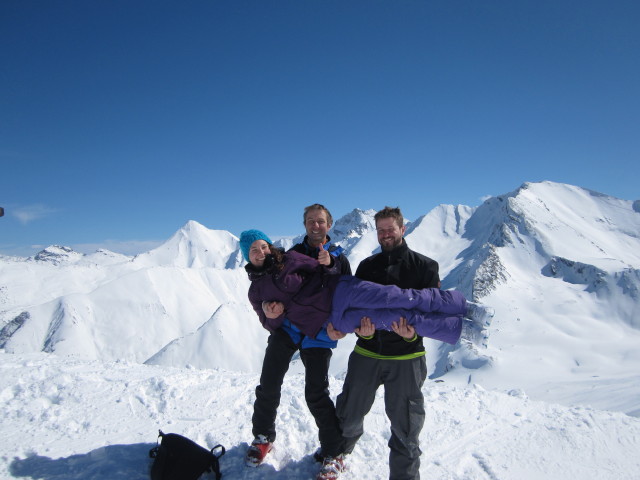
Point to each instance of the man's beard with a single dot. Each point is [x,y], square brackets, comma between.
[388,246]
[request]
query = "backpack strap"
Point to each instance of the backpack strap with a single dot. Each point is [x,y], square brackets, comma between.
[215,463]
[153,453]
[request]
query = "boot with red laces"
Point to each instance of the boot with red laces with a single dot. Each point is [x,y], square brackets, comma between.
[332,467]
[258,450]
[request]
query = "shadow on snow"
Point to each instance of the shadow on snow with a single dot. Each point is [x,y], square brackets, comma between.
[133,463]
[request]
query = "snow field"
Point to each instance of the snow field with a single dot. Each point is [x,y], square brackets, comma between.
[72,419]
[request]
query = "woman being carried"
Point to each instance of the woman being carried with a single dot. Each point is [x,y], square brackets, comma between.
[312,295]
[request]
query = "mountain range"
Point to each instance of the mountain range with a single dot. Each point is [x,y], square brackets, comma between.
[560,265]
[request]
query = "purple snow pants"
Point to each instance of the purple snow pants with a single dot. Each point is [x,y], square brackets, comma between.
[434,313]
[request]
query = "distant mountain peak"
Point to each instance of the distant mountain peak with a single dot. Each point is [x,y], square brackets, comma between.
[57,254]
[192,225]
[353,224]
[195,246]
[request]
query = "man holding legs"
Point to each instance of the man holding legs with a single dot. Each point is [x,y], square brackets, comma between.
[393,359]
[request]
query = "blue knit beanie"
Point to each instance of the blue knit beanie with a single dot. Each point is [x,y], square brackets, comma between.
[248,237]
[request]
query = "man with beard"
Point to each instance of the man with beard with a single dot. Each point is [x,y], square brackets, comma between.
[393,359]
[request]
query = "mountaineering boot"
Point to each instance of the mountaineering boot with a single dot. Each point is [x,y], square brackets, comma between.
[476,323]
[472,333]
[332,467]
[479,314]
[258,450]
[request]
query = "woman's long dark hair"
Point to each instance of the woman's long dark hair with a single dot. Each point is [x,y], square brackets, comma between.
[278,257]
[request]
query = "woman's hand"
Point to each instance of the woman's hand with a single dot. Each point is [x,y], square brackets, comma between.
[272,309]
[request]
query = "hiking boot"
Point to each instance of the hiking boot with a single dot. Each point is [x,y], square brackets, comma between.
[476,323]
[258,450]
[473,333]
[332,467]
[480,314]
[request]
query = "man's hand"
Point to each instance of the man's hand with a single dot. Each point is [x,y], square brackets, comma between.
[366,328]
[324,257]
[335,334]
[403,329]
[272,309]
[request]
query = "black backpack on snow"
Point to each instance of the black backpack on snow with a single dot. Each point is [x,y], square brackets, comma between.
[178,458]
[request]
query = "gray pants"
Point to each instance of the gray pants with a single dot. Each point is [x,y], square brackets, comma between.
[404,405]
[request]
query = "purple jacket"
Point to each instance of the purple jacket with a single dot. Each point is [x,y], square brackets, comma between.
[304,287]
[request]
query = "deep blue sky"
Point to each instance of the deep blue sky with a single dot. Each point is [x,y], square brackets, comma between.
[121,120]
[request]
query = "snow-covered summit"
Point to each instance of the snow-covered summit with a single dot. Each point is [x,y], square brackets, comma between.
[58,255]
[572,222]
[195,246]
[537,223]
[105,257]
[353,225]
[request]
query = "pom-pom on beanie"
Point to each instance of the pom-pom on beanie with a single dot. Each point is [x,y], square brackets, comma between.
[248,237]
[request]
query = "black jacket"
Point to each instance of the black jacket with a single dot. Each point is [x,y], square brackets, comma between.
[406,269]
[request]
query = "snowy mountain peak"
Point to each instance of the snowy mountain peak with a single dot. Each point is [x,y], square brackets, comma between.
[105,257]
[58,255]
[558,220]
[447,220]
[195,246]
[194,228]
[354,224]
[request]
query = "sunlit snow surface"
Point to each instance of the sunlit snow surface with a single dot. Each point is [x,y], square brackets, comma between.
[64,418]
